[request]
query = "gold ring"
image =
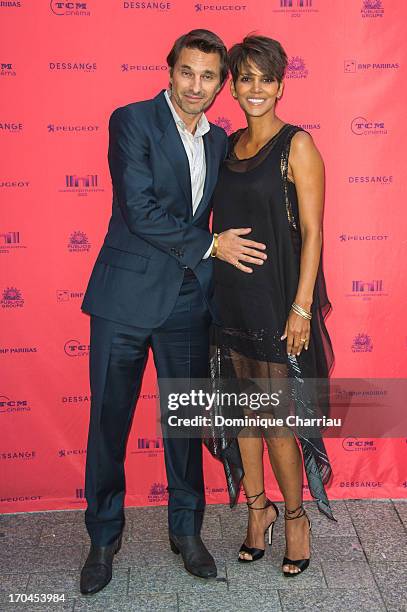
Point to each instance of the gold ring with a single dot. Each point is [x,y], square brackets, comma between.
[303,339]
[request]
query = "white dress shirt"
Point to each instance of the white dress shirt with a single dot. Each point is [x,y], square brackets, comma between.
[195,150]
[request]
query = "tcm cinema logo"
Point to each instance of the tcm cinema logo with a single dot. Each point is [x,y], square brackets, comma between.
[143,68]
[225,124]
[73,66]
[11,406]
[148,6]
[362,343]
[74,348]
[10,127]
[365,127]
[10,241]
[7,70]
[158,493]
[366,290]
[81,185]
[12,298]
[220,7]
[296,68]
[356,445]
[353,66]
[78,242]
[363,237]
[66,295]
[54,128]
[372,9]
[70,9]
[295,8]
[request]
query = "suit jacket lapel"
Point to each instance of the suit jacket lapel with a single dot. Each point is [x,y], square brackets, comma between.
[173,147]
[209,178]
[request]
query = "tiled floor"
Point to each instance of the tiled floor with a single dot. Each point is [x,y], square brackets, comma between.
[359,563]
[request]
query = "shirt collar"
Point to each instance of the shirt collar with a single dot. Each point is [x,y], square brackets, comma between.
[202,127]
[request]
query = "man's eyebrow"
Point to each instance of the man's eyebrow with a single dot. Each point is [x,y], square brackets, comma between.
[185,66]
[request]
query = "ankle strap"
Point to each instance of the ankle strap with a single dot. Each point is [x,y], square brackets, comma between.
[256,497]
[288,512]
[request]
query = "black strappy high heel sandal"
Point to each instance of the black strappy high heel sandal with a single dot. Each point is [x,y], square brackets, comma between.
[258,553]
[302,564]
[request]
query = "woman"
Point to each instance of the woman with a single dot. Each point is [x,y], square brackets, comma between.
[273,326]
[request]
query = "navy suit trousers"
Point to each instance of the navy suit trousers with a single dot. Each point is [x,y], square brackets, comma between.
[118,355]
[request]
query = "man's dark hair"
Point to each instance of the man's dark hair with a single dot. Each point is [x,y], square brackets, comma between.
[205,41]
[265,53]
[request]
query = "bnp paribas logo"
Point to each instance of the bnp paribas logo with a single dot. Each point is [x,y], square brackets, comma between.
[372,9]
[296,68]
[11,4]
[70,9]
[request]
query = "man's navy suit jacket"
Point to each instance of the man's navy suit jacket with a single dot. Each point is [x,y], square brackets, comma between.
[152,233]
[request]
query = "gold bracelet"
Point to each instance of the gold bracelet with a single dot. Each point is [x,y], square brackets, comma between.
[301,311]
[215,245]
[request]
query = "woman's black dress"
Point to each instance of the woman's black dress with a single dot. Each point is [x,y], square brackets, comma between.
[254,308]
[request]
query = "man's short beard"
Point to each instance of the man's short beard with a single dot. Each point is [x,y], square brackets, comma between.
[189,112]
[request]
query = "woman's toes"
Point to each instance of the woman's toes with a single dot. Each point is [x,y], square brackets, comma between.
[292,569]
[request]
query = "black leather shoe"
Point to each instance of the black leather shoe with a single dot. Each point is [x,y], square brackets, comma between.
[197,559]
[97,571]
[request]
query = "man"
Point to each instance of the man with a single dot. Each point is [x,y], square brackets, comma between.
[151,287]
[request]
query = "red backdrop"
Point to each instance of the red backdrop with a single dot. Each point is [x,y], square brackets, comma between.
[64,67]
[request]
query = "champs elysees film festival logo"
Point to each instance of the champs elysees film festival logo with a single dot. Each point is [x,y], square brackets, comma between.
[10,241]
[296,8]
